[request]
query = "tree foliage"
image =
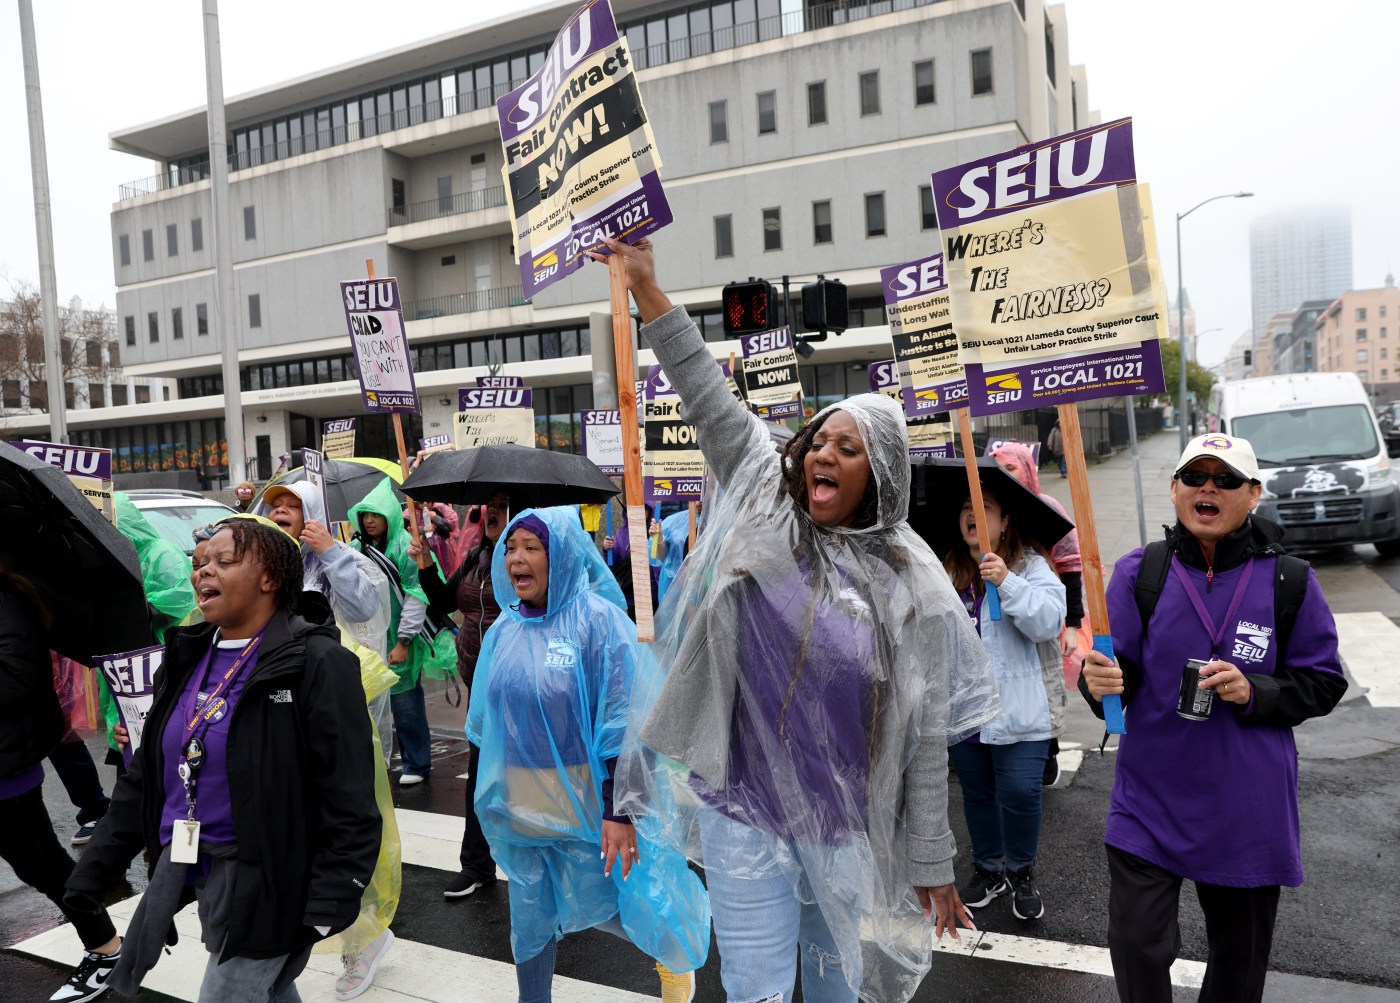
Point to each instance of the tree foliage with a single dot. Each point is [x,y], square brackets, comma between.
[89,351]
[1198,378]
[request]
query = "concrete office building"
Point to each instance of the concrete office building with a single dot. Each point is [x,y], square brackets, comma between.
[1294,347]
[797,138]
[1295,256]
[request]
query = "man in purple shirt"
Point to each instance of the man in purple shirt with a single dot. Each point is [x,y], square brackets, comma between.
[1214,797]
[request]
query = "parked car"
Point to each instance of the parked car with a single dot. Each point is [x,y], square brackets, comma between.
[177,514]
[1323,459]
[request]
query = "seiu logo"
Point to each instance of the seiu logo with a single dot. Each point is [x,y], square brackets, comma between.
[560,654]
[1251,641]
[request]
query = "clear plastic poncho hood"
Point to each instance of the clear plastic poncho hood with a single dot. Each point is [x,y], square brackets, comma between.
[548,710]
[800,669]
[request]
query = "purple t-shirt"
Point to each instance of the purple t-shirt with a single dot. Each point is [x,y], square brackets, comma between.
[1214,800]
[813,776]
[22,782]
[212,806]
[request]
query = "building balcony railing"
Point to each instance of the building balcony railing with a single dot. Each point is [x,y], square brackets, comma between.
[459,303]
[451,205]
[812,17]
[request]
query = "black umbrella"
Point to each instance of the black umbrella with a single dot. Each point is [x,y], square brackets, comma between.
[85,571]
[534,478]
[940,487]
[347,483]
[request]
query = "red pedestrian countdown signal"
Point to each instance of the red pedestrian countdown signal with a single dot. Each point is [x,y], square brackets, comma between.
[747,307]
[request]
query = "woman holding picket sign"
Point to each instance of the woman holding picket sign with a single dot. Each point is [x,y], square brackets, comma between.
[817,664]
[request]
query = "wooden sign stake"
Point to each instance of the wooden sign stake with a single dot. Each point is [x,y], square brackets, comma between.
[1078,470]
[631,447]
[979,512]
[424,559]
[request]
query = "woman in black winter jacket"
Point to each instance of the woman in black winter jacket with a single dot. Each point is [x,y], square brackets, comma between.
[31,725]
[253,788]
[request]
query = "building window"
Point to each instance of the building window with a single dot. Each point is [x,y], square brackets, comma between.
[124,249]
[1361,313]
[196,234]
[148,246]
[1362,355]
[724,237]
[875,214]
[399,196]
[255,310]
[1050,51]
[1381,310]
[449,260]
[923,82]
[445,194]
[767,112]
[172,240]
[1384,352]
[821,222]
[130,323]
[719,121]
[928,218]
[816,103]
[1360,334]
[870,92]
[1383,332]
[772,229]
[153,327]
[177,323]
[981,72]
[201,318]
[250,223]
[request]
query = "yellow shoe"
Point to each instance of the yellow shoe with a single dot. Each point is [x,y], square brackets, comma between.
[675,988]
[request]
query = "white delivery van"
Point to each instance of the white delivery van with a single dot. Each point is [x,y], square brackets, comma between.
[1322,458]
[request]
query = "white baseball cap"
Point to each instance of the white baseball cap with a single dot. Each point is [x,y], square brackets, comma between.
[1231,450]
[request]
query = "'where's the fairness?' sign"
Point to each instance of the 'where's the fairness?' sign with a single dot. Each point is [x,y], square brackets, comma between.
[1051,258]
[580,158]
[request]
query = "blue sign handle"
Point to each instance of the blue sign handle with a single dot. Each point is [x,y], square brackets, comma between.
[1112,703]
[607,508]
[993,602]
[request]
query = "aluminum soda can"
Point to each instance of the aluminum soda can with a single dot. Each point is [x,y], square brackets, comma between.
[1194,703]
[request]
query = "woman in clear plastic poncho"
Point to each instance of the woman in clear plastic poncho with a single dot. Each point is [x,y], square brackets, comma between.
[548,710]
[817,664]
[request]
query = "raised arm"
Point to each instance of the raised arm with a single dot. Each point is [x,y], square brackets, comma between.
[726,430]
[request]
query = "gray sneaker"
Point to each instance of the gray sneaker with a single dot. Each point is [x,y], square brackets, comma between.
[361,966]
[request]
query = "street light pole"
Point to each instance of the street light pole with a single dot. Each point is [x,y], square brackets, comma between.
[1183,408]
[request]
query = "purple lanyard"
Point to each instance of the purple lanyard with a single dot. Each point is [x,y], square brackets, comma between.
[1217,634]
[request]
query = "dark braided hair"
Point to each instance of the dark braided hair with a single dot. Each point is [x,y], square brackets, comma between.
[277,554]
[795,476]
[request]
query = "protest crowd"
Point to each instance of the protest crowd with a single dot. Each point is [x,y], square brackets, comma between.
[776,765]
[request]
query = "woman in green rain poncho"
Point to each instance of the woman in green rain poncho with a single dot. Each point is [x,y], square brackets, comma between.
[382,537]
[165,570]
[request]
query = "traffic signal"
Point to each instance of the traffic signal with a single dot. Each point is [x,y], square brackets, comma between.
[748,307]
[824,305]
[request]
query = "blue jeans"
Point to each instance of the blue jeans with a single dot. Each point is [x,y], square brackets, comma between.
[760,924]
[535,977]
[411,727]
[1001,787]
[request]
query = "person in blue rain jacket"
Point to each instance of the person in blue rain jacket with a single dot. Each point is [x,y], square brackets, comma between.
[548,710]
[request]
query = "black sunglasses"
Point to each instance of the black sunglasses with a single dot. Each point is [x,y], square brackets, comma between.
[1224,480]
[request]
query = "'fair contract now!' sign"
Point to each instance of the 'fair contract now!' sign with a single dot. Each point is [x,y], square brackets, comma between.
[771,383]
[1057,294]
[375,319]
[580,158]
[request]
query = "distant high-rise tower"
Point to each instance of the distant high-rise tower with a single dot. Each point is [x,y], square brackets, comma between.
[1298,255]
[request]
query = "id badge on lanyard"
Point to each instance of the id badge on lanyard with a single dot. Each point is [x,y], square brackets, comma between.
[184,837]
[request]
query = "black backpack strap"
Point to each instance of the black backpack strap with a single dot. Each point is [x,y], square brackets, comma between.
[1152,575]
[1290,586]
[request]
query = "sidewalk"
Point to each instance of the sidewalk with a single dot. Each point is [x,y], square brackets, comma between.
[1115,495]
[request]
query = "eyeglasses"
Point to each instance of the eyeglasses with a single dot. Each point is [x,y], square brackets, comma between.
[1225,480]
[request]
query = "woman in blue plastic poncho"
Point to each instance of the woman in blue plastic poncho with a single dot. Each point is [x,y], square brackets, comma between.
[548,710]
